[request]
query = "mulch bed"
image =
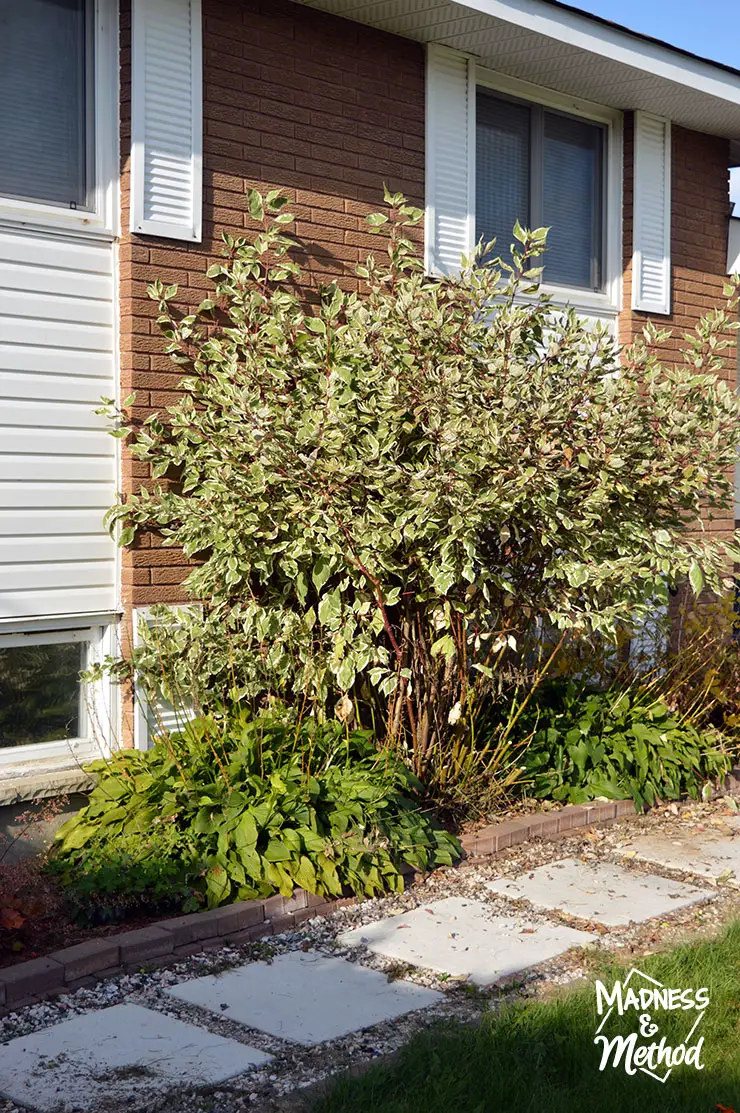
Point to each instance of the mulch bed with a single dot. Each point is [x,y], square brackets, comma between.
[35,918]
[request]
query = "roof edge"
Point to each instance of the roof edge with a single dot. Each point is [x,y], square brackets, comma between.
[644,37]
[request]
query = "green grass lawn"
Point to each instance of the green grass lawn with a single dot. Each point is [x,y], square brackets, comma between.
[541,1058]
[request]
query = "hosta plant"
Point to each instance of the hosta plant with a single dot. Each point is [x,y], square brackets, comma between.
[618,744]
[240,806]
[386,489]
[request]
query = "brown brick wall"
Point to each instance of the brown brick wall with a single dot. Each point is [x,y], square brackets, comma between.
[320,107]
[700,206]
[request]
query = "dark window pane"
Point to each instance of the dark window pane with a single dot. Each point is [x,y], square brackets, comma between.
[502,169]
[43,109]
[572,176]
[40,693]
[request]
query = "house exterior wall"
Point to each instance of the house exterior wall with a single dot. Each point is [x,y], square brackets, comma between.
[700,209]
[322,108]
[328,111]
[58,466]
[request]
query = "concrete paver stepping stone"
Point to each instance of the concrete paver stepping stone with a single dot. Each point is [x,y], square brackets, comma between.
[464,938]
[601,892]
[698,852]
[305,997]
[89,1061]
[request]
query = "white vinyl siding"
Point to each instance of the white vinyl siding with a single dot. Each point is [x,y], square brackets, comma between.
[651,262]
[166,153]
[57,462]
[450,140]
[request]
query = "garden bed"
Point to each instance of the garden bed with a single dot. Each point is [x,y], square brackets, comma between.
[78,951]
[43,935]
[285,1084]
[58,952]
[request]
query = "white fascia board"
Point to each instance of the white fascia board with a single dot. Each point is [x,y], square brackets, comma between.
[610,42]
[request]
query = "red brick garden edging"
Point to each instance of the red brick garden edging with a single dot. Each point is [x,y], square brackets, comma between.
[249,920]
[543,825]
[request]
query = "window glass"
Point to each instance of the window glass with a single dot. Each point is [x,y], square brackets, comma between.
[40,692]
[572,177]
[502,169]
[43,101]
[542,168]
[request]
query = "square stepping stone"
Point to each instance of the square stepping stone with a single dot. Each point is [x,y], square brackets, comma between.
[464,938]
[305,997]
[90,1061]
[702,853]
[601,892]
[698,852]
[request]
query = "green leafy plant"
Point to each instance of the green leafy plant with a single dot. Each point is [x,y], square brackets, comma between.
[239,807]
[386,492]
[111,885]
[619,745]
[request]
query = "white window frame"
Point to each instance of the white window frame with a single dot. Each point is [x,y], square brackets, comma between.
[144,713]
[608,302]
[102,217]
[97,701]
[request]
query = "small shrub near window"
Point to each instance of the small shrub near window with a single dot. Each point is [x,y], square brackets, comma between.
[111,884]
[241,807]
[617,744]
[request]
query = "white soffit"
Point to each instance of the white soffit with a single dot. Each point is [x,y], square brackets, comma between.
[563,49]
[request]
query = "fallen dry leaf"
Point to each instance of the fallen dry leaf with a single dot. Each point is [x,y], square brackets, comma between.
[11,919]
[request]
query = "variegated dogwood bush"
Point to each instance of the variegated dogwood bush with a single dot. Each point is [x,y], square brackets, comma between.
[385,490]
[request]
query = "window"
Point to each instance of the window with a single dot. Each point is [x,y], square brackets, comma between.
[39,693]
[543,168]
[46,94]
[44,709]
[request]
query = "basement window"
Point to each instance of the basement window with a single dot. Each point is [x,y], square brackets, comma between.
[44,708]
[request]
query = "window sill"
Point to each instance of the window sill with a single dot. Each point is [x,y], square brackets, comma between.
[585,302]
[51,223]
[39,780]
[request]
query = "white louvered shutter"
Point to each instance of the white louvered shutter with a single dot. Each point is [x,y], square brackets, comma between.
[167,119]
[651,263]
[450,143]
